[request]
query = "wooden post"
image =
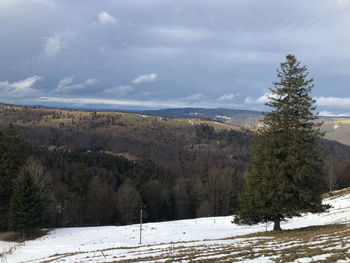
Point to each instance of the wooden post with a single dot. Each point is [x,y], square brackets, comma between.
[141,227]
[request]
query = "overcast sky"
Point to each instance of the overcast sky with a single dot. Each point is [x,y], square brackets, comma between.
[132,54]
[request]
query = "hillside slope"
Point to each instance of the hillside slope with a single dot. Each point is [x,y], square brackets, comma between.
[181,145]
[322,237]
[336,128]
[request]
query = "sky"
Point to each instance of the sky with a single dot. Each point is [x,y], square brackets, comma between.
[152,54]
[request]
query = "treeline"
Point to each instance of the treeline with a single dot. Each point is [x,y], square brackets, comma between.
[95,188]
[58,188]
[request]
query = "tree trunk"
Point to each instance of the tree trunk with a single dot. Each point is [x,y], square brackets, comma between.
[277,224]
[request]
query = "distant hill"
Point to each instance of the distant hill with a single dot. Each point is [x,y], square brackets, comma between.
[181,145]
[336,128]
[181,140]
[245,118]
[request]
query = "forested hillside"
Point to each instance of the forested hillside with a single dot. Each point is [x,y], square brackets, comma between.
[102,167]
[335,128]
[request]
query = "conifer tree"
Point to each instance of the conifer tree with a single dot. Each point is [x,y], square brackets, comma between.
[13,154]
[26,206]
[80,188]
[43,182]
[285,174]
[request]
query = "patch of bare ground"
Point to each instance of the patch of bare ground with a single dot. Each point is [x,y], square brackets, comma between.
[11,236]
[338,193]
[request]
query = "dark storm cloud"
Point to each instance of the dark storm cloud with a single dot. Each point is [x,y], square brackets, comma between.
[159,53]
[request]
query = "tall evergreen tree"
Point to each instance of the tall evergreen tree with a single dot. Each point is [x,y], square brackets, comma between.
[80,188]
[42,180]
[285,174]
[13,154]
[26,206]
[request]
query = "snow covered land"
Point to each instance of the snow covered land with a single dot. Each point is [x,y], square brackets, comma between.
[196,240]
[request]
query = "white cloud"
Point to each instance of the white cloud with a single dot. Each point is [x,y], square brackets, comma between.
[226,97]
[64,86]
[104,18]
[53,45]
[118,91]
[333,102]
[331,114]
[261,100]
[326,113]
[145,78]
[328,102]
[64,82]
[115,103]
[19,89]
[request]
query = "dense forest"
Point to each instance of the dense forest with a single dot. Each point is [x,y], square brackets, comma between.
[100,168]
[90,187]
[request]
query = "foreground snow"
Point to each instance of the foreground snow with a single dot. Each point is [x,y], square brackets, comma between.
[111,243]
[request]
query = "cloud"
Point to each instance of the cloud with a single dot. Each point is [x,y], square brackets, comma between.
[236,46]
[145,78]
[113,103]
[181,34]
[19,89]
[53,45]
[12,3]
[261,100]
[118,91]
[64,82]
[194,97]
[226,97]
[103,18]
[146,94]
[325,102]
[333,102]
[118,104]
[332,114]
[64,86]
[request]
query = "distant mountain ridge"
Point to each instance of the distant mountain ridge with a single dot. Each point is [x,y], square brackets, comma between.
[336,128]
[193,112]
[237,117]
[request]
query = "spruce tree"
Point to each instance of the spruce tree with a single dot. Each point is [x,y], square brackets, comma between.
[13,154]
[285,174]
[26,206]
[80,188]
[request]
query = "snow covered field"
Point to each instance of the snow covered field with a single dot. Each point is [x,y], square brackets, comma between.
[192,240]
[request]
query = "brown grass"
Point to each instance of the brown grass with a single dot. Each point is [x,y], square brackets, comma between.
[11,236]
